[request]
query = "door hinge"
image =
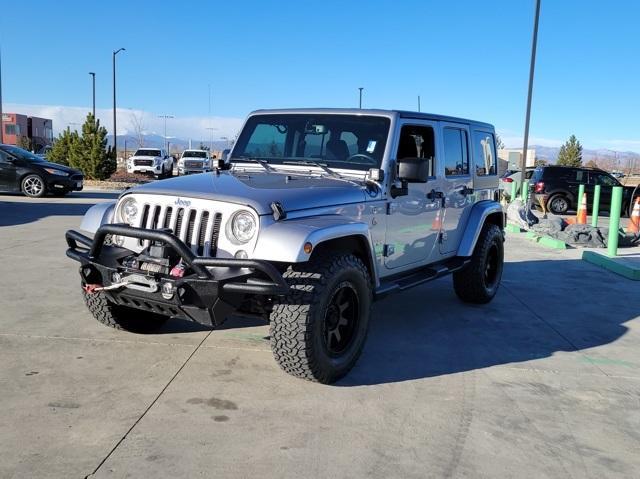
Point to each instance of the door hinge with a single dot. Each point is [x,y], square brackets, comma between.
[388,250]
[442,237]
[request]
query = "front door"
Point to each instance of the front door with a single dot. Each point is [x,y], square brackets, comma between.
[7,172]
[458,185]
[413,221]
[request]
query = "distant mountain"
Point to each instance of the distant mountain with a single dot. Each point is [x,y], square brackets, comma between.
[607,159]
[158,141]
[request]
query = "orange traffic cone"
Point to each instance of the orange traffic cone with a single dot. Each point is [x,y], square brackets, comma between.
[634,221]
[436,224]
[582,211]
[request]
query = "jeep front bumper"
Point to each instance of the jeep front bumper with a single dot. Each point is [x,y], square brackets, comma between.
[211,289]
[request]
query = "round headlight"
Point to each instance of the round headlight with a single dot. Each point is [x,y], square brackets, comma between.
[129,211]
[243,226]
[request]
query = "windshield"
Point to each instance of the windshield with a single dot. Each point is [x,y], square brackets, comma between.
[147,153]
[337,141]
[194,154]
[21,154]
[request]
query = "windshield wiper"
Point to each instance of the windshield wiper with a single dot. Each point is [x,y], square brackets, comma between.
[324,168]
[262,163]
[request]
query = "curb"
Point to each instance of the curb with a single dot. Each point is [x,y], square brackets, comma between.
[615,265]
[546,241]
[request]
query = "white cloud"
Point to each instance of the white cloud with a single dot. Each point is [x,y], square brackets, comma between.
[193,127]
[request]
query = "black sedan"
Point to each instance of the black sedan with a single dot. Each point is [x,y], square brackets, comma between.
[22,171]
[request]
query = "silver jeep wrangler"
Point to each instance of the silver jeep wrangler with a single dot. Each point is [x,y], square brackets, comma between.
[316,213]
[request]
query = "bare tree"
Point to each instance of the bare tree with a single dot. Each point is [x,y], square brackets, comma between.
[137,123]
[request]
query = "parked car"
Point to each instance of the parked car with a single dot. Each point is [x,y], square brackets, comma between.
[23,171]
[558,186]
[194,161]
[509,177]
[320,212]
[153,161]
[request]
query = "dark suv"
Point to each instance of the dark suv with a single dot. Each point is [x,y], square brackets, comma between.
[558,187]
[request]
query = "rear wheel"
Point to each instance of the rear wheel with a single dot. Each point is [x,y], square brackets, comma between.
[478,282]
[558,204]
[33,186]
[121,317]
[318,330]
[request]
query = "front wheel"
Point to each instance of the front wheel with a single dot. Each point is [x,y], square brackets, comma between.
[33,186]
[121,317]
[478,282]
[318,330]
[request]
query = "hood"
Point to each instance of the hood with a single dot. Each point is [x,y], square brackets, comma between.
[58,166]
[259,189]
[144,157]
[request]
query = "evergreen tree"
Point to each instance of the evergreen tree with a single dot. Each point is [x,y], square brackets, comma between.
[61,149]
[570,153]
[90,153]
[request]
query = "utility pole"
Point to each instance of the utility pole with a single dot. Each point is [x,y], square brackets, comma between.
[166,144]
[115,129]
[93,80]
[418,103]
[1,115]
[211,129]
[532,66]
[361,88]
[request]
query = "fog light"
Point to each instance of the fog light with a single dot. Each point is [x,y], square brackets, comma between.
[167,290]
[116,278]
[241,254]
[119,240]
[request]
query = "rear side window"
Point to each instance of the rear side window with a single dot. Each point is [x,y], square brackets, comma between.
[484,153]
[456,154]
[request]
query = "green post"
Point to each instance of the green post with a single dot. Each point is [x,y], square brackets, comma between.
[596,206]
[525,191]
[614,220]
[514,190]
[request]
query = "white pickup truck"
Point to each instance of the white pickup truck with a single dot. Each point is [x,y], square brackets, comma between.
[153,161]
[194,161]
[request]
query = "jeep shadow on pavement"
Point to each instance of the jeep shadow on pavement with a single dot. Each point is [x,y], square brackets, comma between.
[316,213]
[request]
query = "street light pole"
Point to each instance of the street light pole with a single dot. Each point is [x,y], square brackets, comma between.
[166,144]
[115,129]
[418,103]
[211,129]
[1,116]
[93,80]
[361,88]
[534,43]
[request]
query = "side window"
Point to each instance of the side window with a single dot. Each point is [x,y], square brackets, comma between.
[484,153]
[418,142]
[456,155]
[605,180]
[266,141]
[581,176]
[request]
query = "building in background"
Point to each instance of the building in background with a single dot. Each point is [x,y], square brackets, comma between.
[510,159]
[22,129]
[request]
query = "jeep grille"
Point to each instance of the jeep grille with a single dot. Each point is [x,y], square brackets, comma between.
[198,228]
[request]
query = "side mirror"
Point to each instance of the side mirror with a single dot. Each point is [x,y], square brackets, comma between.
[413,170]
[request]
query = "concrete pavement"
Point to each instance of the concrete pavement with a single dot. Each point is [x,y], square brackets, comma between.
[542,382]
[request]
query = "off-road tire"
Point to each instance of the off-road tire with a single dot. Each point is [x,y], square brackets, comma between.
[298,320]
[30,190]
[551,204]
[478,282]
[121,317]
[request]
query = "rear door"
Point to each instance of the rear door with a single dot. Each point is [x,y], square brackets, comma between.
[458,184]
[606,182]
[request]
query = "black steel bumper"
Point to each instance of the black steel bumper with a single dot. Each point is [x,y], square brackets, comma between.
[211,290]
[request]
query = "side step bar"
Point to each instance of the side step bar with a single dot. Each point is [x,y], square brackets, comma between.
[423,275]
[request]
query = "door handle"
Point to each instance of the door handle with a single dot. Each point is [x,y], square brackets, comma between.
[466,191]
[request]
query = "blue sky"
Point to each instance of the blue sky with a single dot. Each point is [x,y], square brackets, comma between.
[464,58]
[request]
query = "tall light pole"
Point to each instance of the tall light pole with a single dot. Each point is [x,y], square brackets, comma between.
[1,116]
[418,103]
[166,146]
[532,66]
[115,129]
[93,80]
[360,88]
[211,129]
